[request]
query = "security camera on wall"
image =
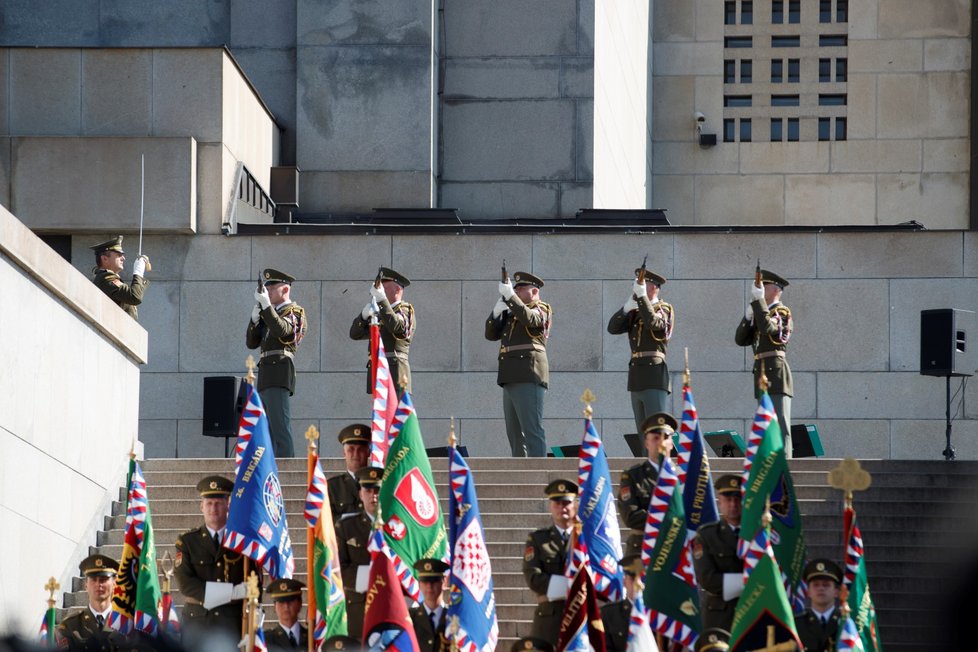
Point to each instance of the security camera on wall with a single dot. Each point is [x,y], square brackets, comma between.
[705,139]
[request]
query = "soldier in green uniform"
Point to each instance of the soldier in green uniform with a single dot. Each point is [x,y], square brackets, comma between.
[397,326]
[719,571]
[766,328]
[713,640]
[89,629]
[211,578]
[545,560]
[531,644]
[520,322]
[648,321]
[617,615]
[818,625]
[344,490]
[430,618]
[290,633]
[638,482]
[110,260]
[352,535]
[277,326]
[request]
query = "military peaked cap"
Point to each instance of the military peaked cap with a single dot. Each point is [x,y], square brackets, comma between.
[388,274]
[98,566]
[285,589]
[430,569]
[355,433]
[823,568]
[714,639]
[525,278]
[531,644]
[342,643]
[370,476]
[270,276]
[215,485]
[658,279]
[662,421]
[771,277]
[561,490]
[115,244]
[632,564]
[727,484]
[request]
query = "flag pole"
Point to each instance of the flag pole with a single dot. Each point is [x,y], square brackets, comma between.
[453,624]
[849,476]
[686,377]
[246,565]
[312,436]
[165,565]
[252,611]
[50,587]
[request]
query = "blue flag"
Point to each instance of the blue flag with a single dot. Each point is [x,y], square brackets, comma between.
[699,500]
[472,602]
[599,517]
[256,524]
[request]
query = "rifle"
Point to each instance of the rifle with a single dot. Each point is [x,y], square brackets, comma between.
[377,281]
[757,274]
[641,270]
[504,275]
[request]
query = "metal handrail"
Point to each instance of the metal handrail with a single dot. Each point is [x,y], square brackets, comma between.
[245,188]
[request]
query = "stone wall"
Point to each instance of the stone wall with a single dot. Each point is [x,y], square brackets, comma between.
[68,417]
[856,298]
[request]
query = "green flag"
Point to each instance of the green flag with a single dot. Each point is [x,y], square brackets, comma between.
[413,524]
[670,590]
[770,478]
[860,601]
[763,616]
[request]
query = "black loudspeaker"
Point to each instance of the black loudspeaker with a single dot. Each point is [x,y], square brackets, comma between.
[805,441]
[947,342]
[223,401]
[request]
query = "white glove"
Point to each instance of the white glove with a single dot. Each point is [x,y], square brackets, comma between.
[255,314]
[239,592]
[367,311]
[749,313]
[638,289]
[757,293]
[506,290]
[261,296]
[363,579]
[378,293]
[733,585]
[139,267]
[630,305]
[499,308]
[557,587]
[217,593]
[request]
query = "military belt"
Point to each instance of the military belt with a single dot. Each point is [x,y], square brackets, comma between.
[769,354]
[522,347]
[649,354]
[285,352]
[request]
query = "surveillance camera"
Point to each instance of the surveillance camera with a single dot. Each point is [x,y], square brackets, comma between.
[699,116]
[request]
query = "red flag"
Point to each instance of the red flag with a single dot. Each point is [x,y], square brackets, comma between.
[386,622]
[582,618]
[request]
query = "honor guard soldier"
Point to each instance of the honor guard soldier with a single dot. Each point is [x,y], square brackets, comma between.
[342,643]
[397,326]
[546,559]
[520,322]
[344,490]
[89,629]
[713,640]
[430,618]
[352,535]
[277,325]
[638,482]
[110,260]
[818,626]
[290,633]
[648,322]
[531,644]
[766,328]
[617,615]
[211,578]
[719,571]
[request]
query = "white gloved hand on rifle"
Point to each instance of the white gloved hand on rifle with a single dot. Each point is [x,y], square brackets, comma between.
[255,314]
[368,311]
[378,293]
[506,290]
[757,293]
[499,308]
[630,305]
[638,289]
[261,296]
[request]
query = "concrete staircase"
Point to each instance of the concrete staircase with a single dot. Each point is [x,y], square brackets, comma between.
[911,518]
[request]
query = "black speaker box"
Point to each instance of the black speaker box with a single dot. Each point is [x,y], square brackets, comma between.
[947,342]
[223,401]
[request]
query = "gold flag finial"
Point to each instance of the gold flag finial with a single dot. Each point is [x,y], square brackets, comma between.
[766,516]
[451,433]
[250,366]
[51,587]
[849,476]
[165,565]
[686,366]
[312,436]
[762,383]
[587,398]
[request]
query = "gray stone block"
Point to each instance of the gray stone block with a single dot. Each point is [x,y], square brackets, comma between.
[615,350]
[363,190]
[116,92]
[440,395]
[256,24]
[341,302]
[721,397]
[485,437]
[519,140]
[675,194]
[193,444]
[907,298]
[585,28]
[563,397]
[168,24]
[500,200]
[906,18]
[189,98]
[673,21]
[707,314]
[214,169]
[805,399]
[339,395]
[465,257]
[876,156]
[44,78]
[4,169]
[505,78]
[949,155]
[512,28]
[970,253]
[348,22]
[889,255]
[195,258]
[939,201]
[478,298]
[170,395]
[4,93]
[159,437]
[869,395]
[273,74]
[947,54]
[436,345]
[740,199]
[363,108]
[323,257]
[611,257]
[673,104]
[793,258]
[838,324]
[584,139]
[825,199]
[923,105]
[574,197]
[572,345]
[860,438]
[577,77]
[61,23]
[159,314]
[926,440]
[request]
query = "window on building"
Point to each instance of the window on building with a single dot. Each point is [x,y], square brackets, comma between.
[825,70]
[738,42]
[793,130]
[746,12]
[729,71]
[729,13]
[824,11]
[794,70]
[825,99]
[776,136]
[784,100]
[776,67]
[824,128]
[842,11]
[746,71]
[794,11]
[734,101]
[833,40]
[841,69]
[729,133]
[785,41]
[840,128]
[745,130]
[777,12]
